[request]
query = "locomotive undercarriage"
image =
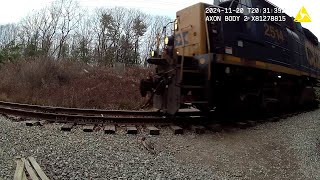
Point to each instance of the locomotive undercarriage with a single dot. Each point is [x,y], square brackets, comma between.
[228,89]
[255,91]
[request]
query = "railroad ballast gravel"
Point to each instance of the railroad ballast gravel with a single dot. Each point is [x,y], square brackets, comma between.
[289,149]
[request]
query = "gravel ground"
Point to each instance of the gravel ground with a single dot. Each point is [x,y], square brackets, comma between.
[289,149]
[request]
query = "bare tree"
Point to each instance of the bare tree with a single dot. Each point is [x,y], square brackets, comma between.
[69,16]
[30,34]
[139,29]
[82,41]
[9,47]
[155,26]
[63,30]
[8,33]
[48,28]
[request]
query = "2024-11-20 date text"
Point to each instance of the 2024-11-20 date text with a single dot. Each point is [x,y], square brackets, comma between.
[246,18]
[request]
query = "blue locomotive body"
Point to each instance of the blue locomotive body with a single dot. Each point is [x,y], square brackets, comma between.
[241,56]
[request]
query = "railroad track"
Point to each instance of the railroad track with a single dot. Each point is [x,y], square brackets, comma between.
[91,119]
[92,116]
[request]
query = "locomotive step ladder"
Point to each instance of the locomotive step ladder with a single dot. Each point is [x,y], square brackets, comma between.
[192,82]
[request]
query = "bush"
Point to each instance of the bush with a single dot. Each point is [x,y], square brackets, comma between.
[70,84]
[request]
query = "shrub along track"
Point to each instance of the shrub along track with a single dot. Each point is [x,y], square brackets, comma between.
[102,118]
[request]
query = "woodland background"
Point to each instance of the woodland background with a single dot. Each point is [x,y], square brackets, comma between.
[65,55]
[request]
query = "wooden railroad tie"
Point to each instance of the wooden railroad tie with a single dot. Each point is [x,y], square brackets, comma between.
[88,128]
[28,167]
[198,129]
[33,123]
[67,127]
[177,129]
[110,129]
[153,130]
[19,173]
[132,129]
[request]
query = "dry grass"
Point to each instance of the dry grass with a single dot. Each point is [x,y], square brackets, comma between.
[69,84]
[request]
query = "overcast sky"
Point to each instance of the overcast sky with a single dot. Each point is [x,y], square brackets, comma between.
[14,10]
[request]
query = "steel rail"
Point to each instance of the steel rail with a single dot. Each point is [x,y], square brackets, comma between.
[64,110]
[86,119]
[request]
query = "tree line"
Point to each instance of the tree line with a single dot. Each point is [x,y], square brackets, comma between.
[65,30]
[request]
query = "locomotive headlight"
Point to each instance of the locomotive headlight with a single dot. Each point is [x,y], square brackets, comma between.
[169,40]
[152,53]
[166,40]
[176,24]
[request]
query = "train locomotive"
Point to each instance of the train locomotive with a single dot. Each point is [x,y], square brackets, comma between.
[235,66]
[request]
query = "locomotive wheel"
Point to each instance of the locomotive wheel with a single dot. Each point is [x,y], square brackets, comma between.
[308,98]
[270,107]
[203,108]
